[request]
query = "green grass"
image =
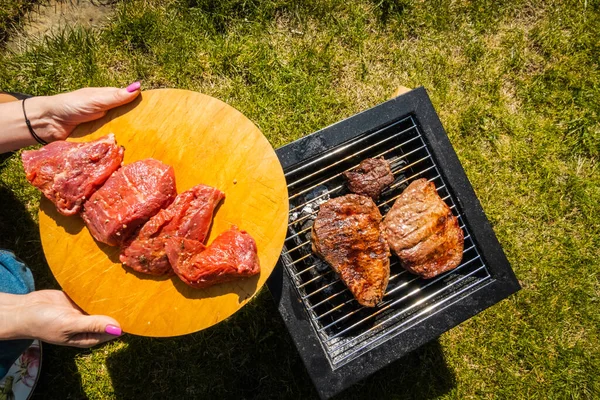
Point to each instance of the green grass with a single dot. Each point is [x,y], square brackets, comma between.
[11,12]
[517,87]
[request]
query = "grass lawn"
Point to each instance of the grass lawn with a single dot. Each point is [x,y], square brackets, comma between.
[517,87]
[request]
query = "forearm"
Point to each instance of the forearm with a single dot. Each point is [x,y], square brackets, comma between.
[14,132]
[12,318]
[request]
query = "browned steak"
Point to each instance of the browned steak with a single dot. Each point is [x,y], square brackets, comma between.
[421,229]
[347,234]
[370,177]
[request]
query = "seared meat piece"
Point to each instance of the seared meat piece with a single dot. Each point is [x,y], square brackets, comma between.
[370,177]
[68,173]
[232,255]
[128,199]
[347,234]
[189,216]
[421,229]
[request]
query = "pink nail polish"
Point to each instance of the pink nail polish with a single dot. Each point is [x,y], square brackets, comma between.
[113,330]
[133,87]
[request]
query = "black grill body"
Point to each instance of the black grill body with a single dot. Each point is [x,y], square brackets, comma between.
[340,341]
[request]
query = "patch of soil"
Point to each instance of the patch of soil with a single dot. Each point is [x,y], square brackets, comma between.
[54,15]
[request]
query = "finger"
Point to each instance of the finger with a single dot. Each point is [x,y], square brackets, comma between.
[89,339]
[89,330]
[105,98]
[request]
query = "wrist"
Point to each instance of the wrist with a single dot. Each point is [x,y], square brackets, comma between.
[41,118]
[13,316]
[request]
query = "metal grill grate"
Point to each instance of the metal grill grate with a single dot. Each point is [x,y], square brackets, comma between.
[346,329]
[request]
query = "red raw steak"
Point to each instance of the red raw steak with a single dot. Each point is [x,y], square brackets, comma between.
[189,216]
[128,199]
[232,255]
[68,173]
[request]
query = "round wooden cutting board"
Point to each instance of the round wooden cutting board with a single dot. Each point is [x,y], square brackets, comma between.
[206,141]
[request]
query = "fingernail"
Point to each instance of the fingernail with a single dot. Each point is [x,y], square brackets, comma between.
[113,330]
[133,87]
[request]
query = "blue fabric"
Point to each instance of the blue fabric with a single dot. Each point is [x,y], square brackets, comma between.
[15,278]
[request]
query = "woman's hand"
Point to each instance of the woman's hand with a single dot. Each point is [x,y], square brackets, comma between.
[55,117]
[49,315]
[61,113]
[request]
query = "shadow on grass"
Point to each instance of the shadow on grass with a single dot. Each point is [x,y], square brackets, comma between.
[60,378]
[19,233]
[251,355]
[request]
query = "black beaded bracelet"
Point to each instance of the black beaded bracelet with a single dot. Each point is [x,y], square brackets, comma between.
[35,136]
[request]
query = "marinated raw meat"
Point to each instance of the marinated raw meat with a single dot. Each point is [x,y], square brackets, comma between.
[232,255]
[128,199]
[68,173]
[370,178]
[421,229]
[347,234]
[189,216]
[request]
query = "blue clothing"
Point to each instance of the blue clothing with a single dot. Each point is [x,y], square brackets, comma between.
[15,278]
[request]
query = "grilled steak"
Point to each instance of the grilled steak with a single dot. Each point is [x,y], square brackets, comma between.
[421,229]
[232,255]
[128,199]
[370,177]
[347,234]
[68,173]
[189,216]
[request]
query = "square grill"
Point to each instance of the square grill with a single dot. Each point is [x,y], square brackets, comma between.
[340,340]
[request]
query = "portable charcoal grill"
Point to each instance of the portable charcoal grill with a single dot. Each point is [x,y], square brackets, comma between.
[340,341]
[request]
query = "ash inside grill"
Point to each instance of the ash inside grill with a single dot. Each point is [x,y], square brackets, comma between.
[346,329]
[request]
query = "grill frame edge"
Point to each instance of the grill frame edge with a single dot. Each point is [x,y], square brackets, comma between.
[329,382]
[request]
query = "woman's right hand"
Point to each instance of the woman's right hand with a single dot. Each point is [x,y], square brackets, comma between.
[51,316]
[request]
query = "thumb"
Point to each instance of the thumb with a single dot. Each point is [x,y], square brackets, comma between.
[90,330]
[105,98]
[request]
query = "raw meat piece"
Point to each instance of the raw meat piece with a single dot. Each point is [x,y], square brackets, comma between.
[347,234]
[370,177]
[189,216]
[232,255]
[128,199]
[68,173]
[421,229]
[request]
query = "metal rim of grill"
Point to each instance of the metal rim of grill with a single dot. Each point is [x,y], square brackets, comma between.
[340,341]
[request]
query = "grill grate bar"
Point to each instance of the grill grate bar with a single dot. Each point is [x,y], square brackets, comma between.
[300,259]
[342,148]
[421,313]
[390,303]
[328,299]
[315,278]
[395,185]
[299,233]
[356,165]
[416,303]
[392,278]
[321,289]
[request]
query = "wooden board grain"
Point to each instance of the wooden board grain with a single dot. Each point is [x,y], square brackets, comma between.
[206,141]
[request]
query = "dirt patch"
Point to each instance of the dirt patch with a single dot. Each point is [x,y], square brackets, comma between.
[53,16]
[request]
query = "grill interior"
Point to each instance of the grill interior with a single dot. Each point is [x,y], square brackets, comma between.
[345,329]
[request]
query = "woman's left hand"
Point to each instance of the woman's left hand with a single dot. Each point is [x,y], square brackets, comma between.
[51,316]
[55,117]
